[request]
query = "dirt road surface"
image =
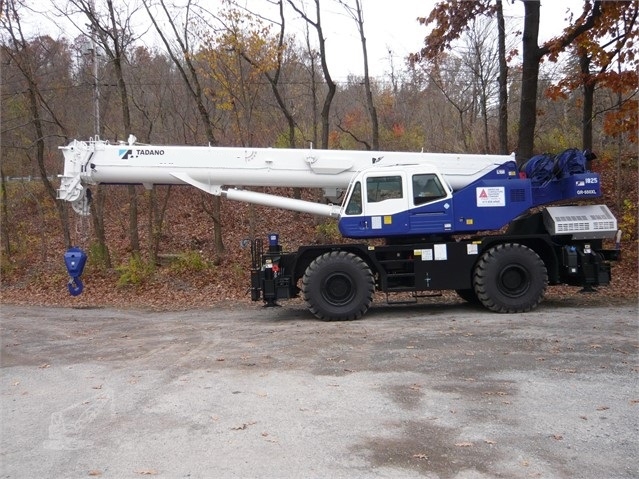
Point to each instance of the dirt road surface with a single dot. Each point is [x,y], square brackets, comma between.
[434,391]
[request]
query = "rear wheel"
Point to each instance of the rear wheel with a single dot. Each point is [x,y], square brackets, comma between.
[338,286]
[510,278]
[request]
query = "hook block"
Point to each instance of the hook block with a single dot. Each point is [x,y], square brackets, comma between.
[75,259]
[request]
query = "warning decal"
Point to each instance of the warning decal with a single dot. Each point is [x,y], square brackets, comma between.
[490,196]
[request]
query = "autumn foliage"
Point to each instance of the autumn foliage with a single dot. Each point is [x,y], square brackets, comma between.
[235,78]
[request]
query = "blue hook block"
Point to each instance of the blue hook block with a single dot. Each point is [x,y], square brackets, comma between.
[75,259]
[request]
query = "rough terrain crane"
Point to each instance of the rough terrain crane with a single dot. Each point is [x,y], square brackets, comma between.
[475,224]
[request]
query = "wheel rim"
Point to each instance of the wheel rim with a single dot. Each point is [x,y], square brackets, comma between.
[514,281]
[338,289]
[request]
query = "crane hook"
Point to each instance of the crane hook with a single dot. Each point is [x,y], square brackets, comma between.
[75,259]
[75,286]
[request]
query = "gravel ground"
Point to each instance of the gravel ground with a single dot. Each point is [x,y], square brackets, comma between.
[429,391]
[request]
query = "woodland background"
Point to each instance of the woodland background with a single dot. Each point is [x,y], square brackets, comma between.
[227,75]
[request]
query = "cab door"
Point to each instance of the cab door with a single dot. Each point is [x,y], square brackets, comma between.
[432,208]
[377,206]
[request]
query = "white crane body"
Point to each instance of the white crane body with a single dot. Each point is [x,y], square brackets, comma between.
[441,214]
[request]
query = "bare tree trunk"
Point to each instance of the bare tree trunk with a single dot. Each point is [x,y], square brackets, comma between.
[484,115]
[620,188]
[40,149]
[332,87]
[462,128]
[134,237]
[314,106]
[156,221]
[118,59]
[97,214]
[587,107]
[358,16]
[4,221]
[503,81]
[99,230]
[36,103]
[153,232]
[529,79]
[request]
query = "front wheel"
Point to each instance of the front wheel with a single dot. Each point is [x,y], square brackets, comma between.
[338,286]
[510,278]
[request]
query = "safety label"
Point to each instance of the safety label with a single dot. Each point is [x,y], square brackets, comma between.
[491,196]
[439,252]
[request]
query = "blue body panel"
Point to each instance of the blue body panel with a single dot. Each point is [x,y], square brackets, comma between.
[488,203]
[574,187]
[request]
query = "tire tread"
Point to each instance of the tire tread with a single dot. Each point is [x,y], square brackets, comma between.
[481,278]
[338,256]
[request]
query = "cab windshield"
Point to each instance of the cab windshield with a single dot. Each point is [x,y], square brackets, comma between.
[354,206]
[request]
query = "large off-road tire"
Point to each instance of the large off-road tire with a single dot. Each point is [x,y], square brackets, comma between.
[510,278]
[338,286]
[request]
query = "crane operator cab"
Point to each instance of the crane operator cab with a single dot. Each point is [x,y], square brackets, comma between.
[396,200]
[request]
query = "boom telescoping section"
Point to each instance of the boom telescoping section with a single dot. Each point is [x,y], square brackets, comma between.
[470,223]
[224,171]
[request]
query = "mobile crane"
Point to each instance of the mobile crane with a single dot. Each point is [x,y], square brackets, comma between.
[475,224]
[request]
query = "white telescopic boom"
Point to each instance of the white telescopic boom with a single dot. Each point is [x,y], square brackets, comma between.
[213,168]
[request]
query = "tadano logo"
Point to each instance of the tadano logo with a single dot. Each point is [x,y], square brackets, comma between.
[136,153]
[126,154]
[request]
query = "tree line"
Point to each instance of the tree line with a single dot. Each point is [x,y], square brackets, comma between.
[238,77]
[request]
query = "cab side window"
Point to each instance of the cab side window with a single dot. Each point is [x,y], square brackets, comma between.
[383,188]
[427,188]
[354,206]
